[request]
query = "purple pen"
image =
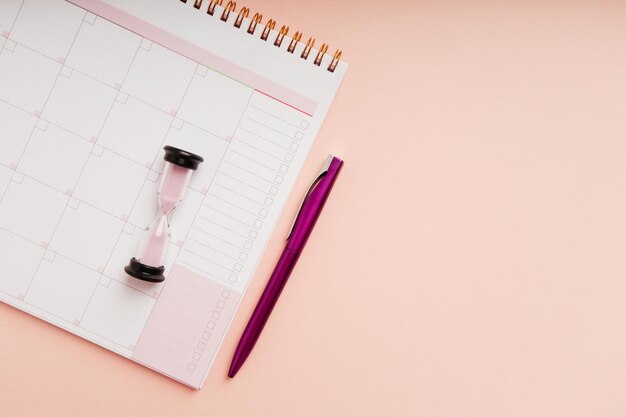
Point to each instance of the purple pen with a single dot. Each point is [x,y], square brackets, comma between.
[303,225]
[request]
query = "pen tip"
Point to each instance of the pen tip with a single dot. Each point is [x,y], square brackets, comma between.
[234,368]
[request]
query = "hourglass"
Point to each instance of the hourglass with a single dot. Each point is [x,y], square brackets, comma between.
[149,264]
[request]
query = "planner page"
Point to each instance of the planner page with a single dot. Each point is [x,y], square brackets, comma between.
[90,93]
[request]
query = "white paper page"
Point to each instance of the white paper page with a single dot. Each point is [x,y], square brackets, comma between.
[90,92]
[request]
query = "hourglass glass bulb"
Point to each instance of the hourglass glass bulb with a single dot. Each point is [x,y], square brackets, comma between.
[148,264]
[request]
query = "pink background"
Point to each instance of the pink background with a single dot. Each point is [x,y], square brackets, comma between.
[471,261]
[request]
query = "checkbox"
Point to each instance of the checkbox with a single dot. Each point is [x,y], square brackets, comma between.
[66,71]
[129,229]
[247,245]
[283,168]
[293,147]
[201,346]
[232,278]
[268,201]
[146,44]
[17,177]
[10,45]
[49,256]
[273,190]
[90,18]
[258,223]
[177,123]
[215,315]
[253,234]
[263,212]
[289,157]
[202,70]
[206,335]
[192,366]
[73,203]
[153,176]
[211,325]
[243,256]
[121,98]
[196,356]
[304,124]
[237,267]
[278,179]
[105,281]
[299,135]
[41,124]
[220,305]
[225,294]
[97,150]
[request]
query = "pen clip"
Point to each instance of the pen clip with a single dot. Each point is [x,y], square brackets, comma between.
[317,180]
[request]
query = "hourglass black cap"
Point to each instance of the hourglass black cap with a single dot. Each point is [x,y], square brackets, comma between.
[145,272]
[182,158]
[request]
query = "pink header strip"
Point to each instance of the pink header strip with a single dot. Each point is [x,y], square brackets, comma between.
[198,54]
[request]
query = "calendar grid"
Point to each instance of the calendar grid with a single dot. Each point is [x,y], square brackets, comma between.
[88,106]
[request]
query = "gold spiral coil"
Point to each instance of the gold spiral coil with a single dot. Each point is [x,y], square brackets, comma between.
[269,26]
[257,19]
[294,42]
[281,35]
[335,61]
[307,48]
[212,5]
[320,54]
[230,7]
[243,13]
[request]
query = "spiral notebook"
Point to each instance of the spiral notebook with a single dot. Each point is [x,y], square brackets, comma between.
[90,92]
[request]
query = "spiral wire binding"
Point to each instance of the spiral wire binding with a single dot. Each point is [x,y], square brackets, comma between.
[211,8]
[307,49]
[257,19]
[281,35]
[230,7]
[269,26]
[294,41]
[243,13]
